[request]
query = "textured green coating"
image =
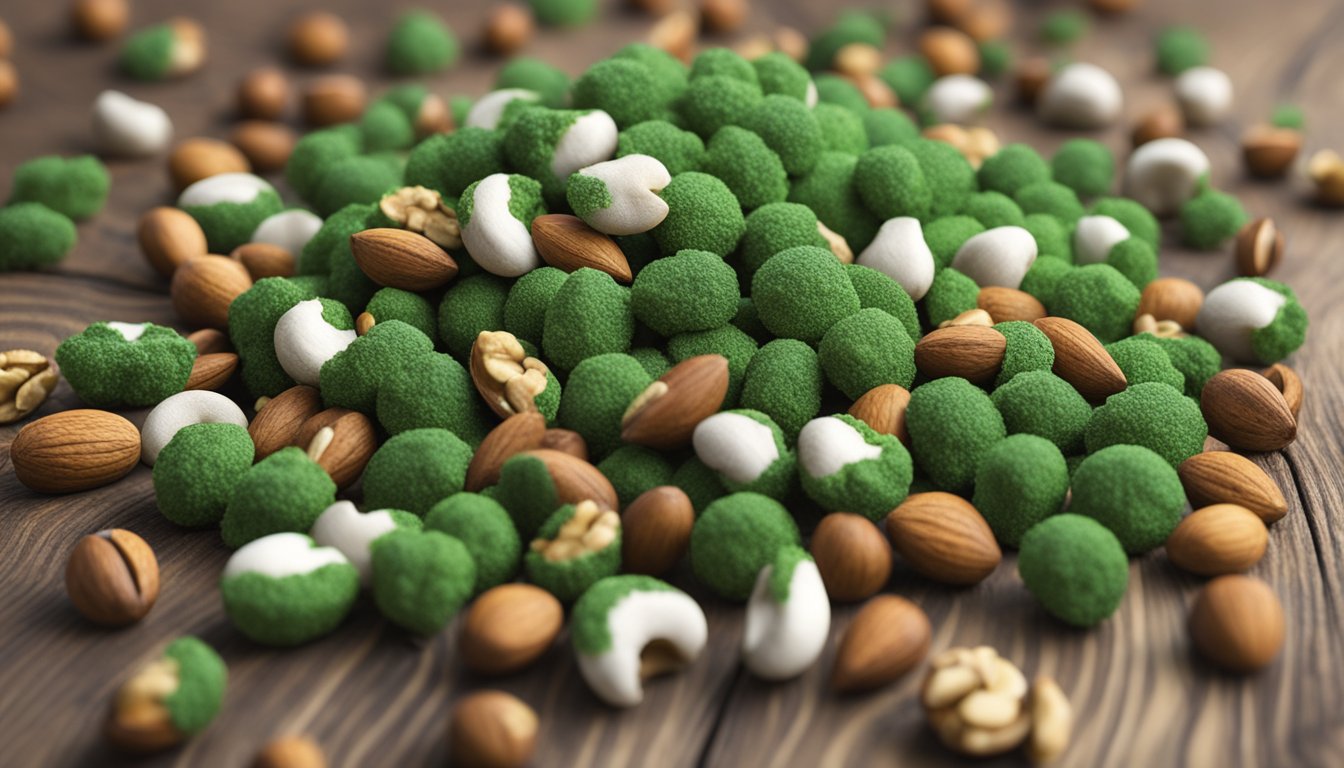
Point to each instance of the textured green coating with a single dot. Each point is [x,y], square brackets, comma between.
[315,152]
[470,306]
[410,308]
[750,168]
[1179,48]
[780,75]
[950,177]
[529,146]
[229,225]
[654,362]
[1064,27]
[690,291]
[701,484]
[587,195]
[711,102]
[527,492]
[871,487]
[1133,492]
[590,628]
[363,179]
[838,91]
[1154,415]
[252,318]
[1210,219]
[623,88]
[1011,168]
[781,571]
[1135,259]
[1288,116]
[1052,239]
[76,186]
[530,295]
[1075,568]
[703,214]
[994,209]
[535,75]
[777,227]
[1195,358]
[748,320]
[946,235]
[950,294]
[596,394]
[421,579]
[408,98]
[669,72]
[1050,197]
[952,424]
[1285,334]
[291,610]
[849,27]
[1028,350]
[842,129]
[725,62]
[433,391]
[148,54]
[201,680]
[196,472]
[726,340]
[790,129]
[590,315]
[332,240]
[1020,482]
[415,470]
[283,492]
[1138,220]
[32,235]
[1044,277]
[867,349]
[909,76]
[829,190]
[568,579]
[801,292]
[777,481]
[351,378]
[734,538]
[1098,298]
[107,371]
[1040,403]
[678,150]
[1084,165]
[877,291]
[564,13]
[886,126]
[634,469]
[891,183]
[783,381]
[450,162]
[1142,360]
[420,44]
[996,56]
[484,527]
[386,127]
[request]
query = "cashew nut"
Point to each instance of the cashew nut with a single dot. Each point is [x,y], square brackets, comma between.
[958,99]
[196,406]
[1082,96]
[345,528]
[304,341]
[737,446]
[1163,174]
[1233,312]
[128,127]
[998,257]
[633,183]
[279,555]
[899,252]
[782,639]
[827,445]
[1205,95]
[224,188]
[487,110]
[290,229]
[495,238]
[589,140]
[1094,238]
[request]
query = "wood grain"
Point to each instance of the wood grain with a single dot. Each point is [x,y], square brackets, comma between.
[372,696]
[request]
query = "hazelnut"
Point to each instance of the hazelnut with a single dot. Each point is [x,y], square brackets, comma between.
[1164,122]
[112,577]
[291,752]
[723,15]
[1269,152]
[99,20]
[9,82]
[949,51]
[263,94]
[266,145]
[492,728]
[852,555]
[1259,247]
[333,99]
[318,39]
[201,158]
[508,28]
[1171,298]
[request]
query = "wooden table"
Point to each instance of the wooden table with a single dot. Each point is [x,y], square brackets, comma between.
[372,697]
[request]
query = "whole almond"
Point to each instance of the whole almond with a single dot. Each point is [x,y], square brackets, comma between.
[112,577]
[857,60]
[1218,539]
[399,258]
[986,19]
[266,145]
[883,409]
[333,99]
[264,260]
[656,530]
[74,451]
[1269,151]
[1172,298]
[210,341]
[99,20]
[949,51]
[566,441]
[508,28]
[520,432]
[492,729]
[1223,477]
[291,752]
[1081,360]
[852,555]
[575,479]
[200,158]
[1237,623]
[665,414]
[972,352]
[888,637]
[1007,304]
[944,538]
[508,627]
[1164,122]
[212,371]
[567,243]
[318,38]
[1288,383]
[1245,410]
[203,287]
[168,237]
[676,33]
[278,423]
[341,441]
[263,94]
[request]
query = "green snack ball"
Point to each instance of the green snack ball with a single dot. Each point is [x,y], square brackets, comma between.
[841,129]
[1286,332]
[470,306]
[1044,276]
[1028,350]
[749,322]
[950,294]
[315,152]
[777,227]
[1138,220]
[76,187]
[952,424]
[196,472]
[1154,415]
[734,538]
[414,470]
[1098,298]
[530,295]
[352,377]
[891,183]
[950,178]
[229,225]
[1085,166]
[1040,403]
[640,250]
[691,291]
[1288,116]
[946,235]
[888,126]
[590,627]
[596,394]
[1064,26]
[1052,198]
[709,103]
[789,128]
[654,362]
[1052,239]
[527,493]
[108,371]
[532,74]
[252,319]
[352,180]
[564,13]
[283,492]
[725,62]
[570,577]
[1195,358]
[410,308]
[450,162]
[871,487]
[680,151]
[460,106]
[623,88]
[201,679]
[1142,360]
[779,74]
[752,171]
[1135,259]
[783,381]
[850,27]
[878,291]
[148,54]
[1020,482]
[703,215]
[484,527]
[590,315]
[386,127]
[994,209]
[829,190]
[1211,218]
[32,235]
[839,91]
[668,71]
[420,44]
[421,579]
[291,610]
[700,483]
[1011,168]
[909,76]
[433,391]
[801,292]
[1179,48]
[408,98]
[634,469]
[1075,568]
[726,340]
[996,56]
[1133,492]
[777,479]
[867,349]
[331,242]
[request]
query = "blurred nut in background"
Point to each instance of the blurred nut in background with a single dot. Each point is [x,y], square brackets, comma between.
[266,145]
[1268,151]
[508,28]
[949,51]
[201,158]
[291,752]
[333,99]
[263,94]
[6,40]
[1326,170]
[1259,247]
[723,15]
[492,728]
[1033,72]
[1164,122]
[318,39]
[99,20]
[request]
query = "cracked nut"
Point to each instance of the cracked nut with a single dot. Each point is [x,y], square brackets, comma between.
[1259,247]
[422,210]
[507,379]
[1163,329]
[340,441]
[666,413]
[140,722]
[591,529]
[26,380]
[112,577]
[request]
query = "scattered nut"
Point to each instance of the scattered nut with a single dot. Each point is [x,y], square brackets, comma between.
[112,577]
[203,287]
[99,20]
[1218,539]
[364,323]
[1204,94]
[591,529]
[26,380]
[212,371]
[1163,329]
[169,237]
[785,630]
[266,145]
[509,627]
[970,317]
[975,143]
[333,99]
[1288,382]
[857,60]
[888,637]
[1171,298]
[422,210]
[9,82]
[675,33]
[201,158]
[1033,72]
[56,455]
[976,702]
[565,441]
[852,555]
[1164,122]
[1082,96]
[291,752]
[1245,410]
[317,39]
[492,729]
[1268,151]
[346,449]
[665,415]
[1259,247]
[507,379]
[124,126]
[656,530]
[264,260]
[263,94]
[1223,477]
[723,15]
[1326,170]
[182,410]
[1237,623]
[508,28]
[949,51]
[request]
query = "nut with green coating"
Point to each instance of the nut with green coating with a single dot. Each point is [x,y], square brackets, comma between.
[75,186]
[484,527]
[1195,358]
[1075,568]
[284,590]
[1098,298]
[994,209]
[777,227]
[726,340]
[876,290]
[352,377]
[352,532]
[950,294]
[550,144]
[397,304]
[469,306]
[1084,165]
[420,44]
[623,88]
[172,49]
[111,365]
[891,183]
[564,13]
[703,214]
[1210,219]
[590,315]
[283,492]
[596,396]
[747,450]
[829,190]
[634,469]
[1013,167]
[1179,48]
[844,465]
[1040,403]
[865,350]
[679,151]
[1154,415]
[169,699]
[433,390]
[784,381]
[734,538]
[1253,320]
[1142,360]
[621,196]
[1020,482]
[689,291]
[252,319]
[887,125]
[841,127]
[750,168]
[1028,349]
[952,425]
[577,546]
[713,101]
[415,470]
[789,127]
[421,579]
[1133,492]
[801,292]
[196,472]
[32,235]
[450,162]
[229,206]
[496,216]
[528,298]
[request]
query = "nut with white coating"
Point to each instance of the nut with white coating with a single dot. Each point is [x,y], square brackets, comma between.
[304,341]
[240,188]
[290,229]
[1233,312]
[128,127]
[620,197]
[788,617]
[1082,96]
[959,99]
[589,140]
[196,406]
[488,109]
[900,252]
[343,527]
[1165,173]
[1205,95]
[497,239]
[999,256]
[738,447]
[1095,236]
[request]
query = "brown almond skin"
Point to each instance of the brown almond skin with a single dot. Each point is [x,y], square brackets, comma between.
[566,441]
[575,479]
[74,451]
[492,729]
[1223,477]
[567,243]
[949,51]
[291,752]
[1245,410]
[944,538]
[1081,360]
[1008,304]
[266,145]
[1237,623]
[1258,247]
[112,577]
[353,445]
[203,287]
[509,627]
[277,424]
[656,530]
[1288,383]
[264,260]
[696,388]
[99,20]
[888,637]
[973,352]
[1269,152]
[520,432]
[333,99]
[1165,122]
[1217,540]
[263,94]
[883,409]
[212,371]
[1172,298]
[852,555]
[200,158]
[508,28]
[318,39]
[168,237]
[399,258]
[210,341]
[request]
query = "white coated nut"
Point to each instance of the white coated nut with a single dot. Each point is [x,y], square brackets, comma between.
[638,619]
[827,445]
[487,110]
[1082,96]
[1163,174]
[1205,95]
[959,99]
[1095,236]
[737,446]
[128,331]
[345,528]
[290,229]
[224,188]
[280,555]
[781,640]
[195,406]
[633,182]
[588,141]
[304,341]
[997,257]
[811,96]
[495,238]
[1233,312]
[900,252]
[129,127]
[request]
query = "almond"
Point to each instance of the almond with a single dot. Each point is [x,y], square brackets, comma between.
[210,341]
[1288,383]
[1172,298]
[852,555]
[1008,304]
[508,28]
[1164,122]
[575,479]
[277,424]
[1237,623]
[972,352]
[883,409]
[518,433]
[266,145]
[341,441]
[263,94]
[492,729]
[509,627]
[1216,540]
[1245,410]
[565,441]
[75,451]
[567,243]
[203,287]
[399,258]
[723,15]
[112,577]
[212,371]
[264,260]
[944,538]
[291,752]
[168,237]
[656,530]
[1259,247]
[1218,477]
[665,414]
[949,51]
[888,637]
[318,38]
[333,99]
[200,158]
[1081,360]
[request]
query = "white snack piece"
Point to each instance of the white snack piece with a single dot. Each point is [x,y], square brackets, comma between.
[590,140]
[636,620]
[1205,95]
[128,331]
[959,99]
[900,252]
[997,257]
[279,555]
[290,230]
[1095,236]
[781,640]
[1082,96]
[343,527]
[633,182]
[304,340]
[224,188]
[827,445]
[1234,311]
[128,127]
[1163,174]
[194,406]
[497,241]
[487,110]
[737,446]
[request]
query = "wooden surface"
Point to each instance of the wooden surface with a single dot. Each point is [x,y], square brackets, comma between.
[373,697]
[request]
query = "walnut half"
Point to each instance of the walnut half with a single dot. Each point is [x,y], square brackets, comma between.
[506,377]
[421,210]
[26,379]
